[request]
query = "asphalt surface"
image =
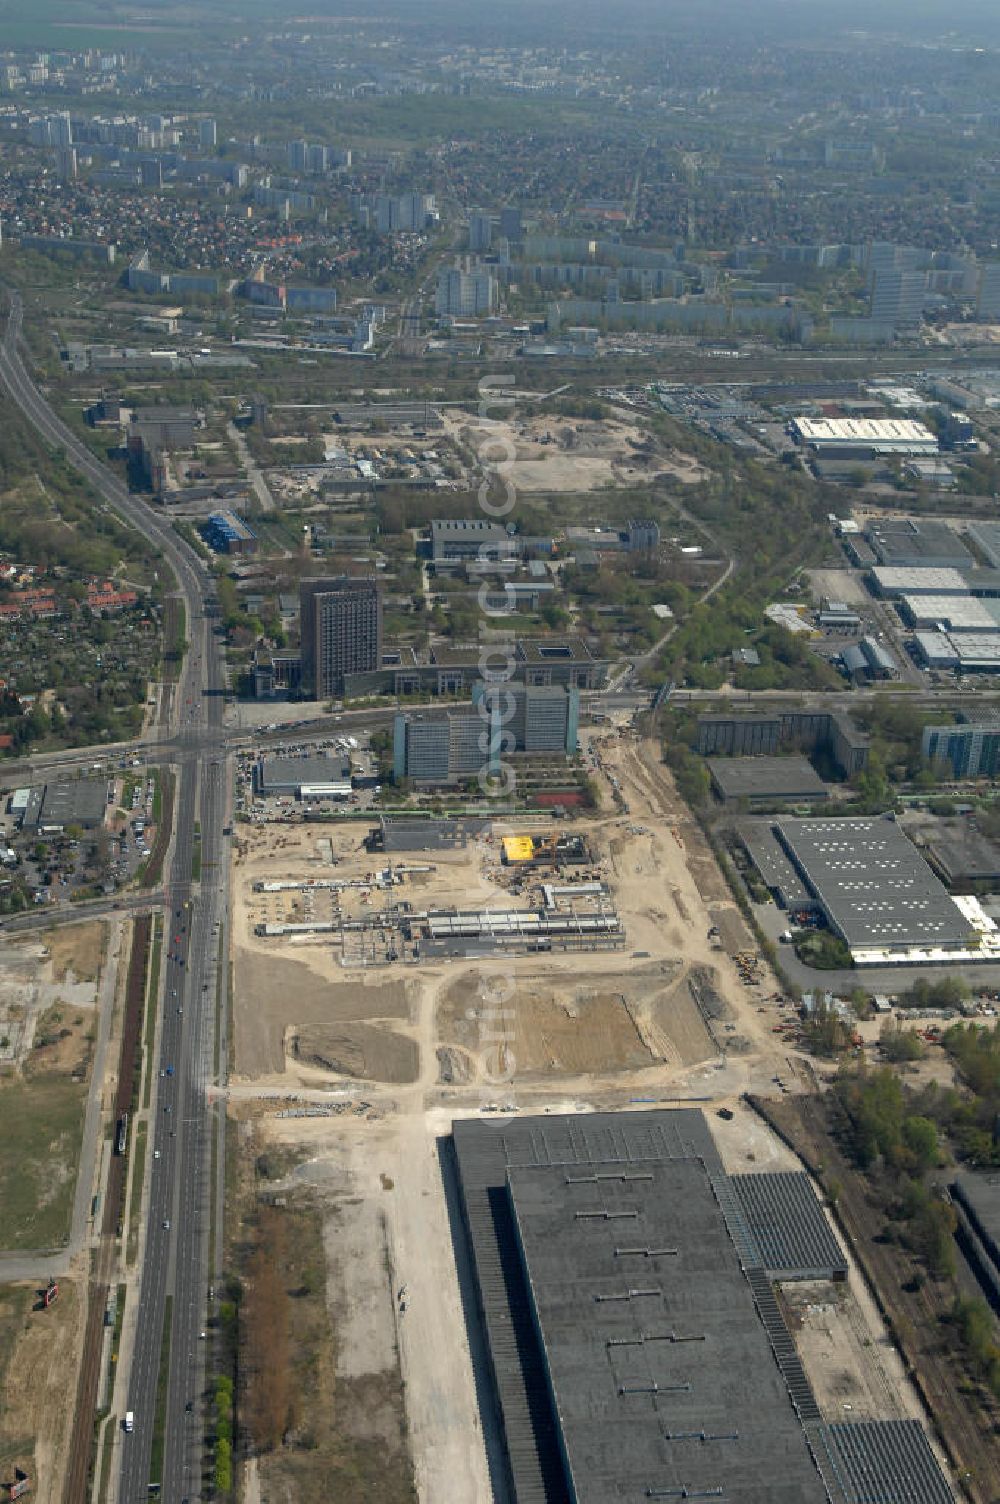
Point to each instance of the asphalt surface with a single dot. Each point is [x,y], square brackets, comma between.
[176,1243]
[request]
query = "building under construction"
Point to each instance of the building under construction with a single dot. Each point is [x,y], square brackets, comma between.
[447,932]
[545,851]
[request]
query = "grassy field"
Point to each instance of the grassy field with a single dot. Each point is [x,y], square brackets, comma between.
[39,1159]
[135,1205]
[152,997]
[16,1302]
[160,1416]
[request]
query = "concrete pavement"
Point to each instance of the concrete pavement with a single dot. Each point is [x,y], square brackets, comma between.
[174,1256]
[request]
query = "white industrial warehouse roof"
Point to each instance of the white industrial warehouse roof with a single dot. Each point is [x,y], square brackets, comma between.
[895,579]
[880,433]
[958,613]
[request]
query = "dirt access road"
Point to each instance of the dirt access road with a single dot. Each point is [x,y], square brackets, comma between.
[587,1030]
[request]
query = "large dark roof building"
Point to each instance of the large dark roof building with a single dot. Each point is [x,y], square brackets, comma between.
[637,1350]
[875,889]
[766,780]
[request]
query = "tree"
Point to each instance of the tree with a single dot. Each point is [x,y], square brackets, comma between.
[899,1044]
[826,1033]
[921,1138]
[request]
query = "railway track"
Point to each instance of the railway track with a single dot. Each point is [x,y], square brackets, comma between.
[82,1440]
[966,1423]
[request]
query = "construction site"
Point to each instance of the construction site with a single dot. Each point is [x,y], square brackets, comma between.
[391,982]
[371,922]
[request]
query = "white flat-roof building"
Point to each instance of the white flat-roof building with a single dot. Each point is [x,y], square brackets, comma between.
[951,613]
[972,651]
[863,438]
[893,580]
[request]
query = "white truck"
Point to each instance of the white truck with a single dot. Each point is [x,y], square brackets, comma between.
[130,1420]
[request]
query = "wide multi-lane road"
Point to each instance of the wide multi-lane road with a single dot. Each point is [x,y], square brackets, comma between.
[176,1241]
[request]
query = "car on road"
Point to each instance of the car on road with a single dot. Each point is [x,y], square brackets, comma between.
[166,1224]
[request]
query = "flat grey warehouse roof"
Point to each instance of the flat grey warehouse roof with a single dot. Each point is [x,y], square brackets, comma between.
[763,779]
[661,1371]
[637,1349]
[874,886]
[280,775]
[574,1218]
[82,801]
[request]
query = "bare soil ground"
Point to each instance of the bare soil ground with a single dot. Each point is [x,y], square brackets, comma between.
[359,1050]
[393,1297]
[601,1025]
[35,1399]
[838,585]
[76,952]
[583,1030]
[849,1378]
[561,454]
[577,1030]
[276,994]
[34,980]
[347,1438]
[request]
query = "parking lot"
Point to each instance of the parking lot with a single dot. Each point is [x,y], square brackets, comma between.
[45,864]
[357,762]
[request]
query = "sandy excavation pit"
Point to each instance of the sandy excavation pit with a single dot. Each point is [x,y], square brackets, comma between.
[596,1023]
[363,1051]
[279,994]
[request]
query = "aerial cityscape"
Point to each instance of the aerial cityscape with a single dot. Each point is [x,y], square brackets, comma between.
[500,752]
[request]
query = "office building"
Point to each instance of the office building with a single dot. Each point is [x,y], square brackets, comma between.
[988,302]
[764,735]
[458,670]
[404,212]
[341,628]
[480,232]
[970,751]
[207,135]
[462,538]
[465,294]
[464,743]
[898,297]
[61,129]
[511,227]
